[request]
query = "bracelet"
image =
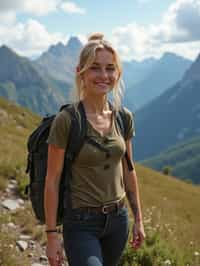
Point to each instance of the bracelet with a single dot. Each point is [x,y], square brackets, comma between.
[52,231]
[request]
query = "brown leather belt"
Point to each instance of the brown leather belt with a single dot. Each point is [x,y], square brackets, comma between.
[107,208]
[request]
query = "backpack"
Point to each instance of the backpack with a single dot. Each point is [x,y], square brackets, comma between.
[38,152]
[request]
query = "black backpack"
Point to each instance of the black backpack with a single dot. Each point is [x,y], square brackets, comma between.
[38,152]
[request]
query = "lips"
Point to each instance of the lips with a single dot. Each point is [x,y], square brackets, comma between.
[102,84]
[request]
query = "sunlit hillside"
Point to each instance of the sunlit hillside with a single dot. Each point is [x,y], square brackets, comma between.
[170,206]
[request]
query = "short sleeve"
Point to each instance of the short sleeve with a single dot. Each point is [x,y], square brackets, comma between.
[130,124]
[59,132]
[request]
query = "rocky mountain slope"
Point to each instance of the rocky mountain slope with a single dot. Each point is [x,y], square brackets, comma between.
[161,75]
[59,60]
[171,118]
[21,82]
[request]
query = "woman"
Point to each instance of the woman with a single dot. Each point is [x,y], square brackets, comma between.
[96,232]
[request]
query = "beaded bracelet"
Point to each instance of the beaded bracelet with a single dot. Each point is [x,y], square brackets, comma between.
[52,231]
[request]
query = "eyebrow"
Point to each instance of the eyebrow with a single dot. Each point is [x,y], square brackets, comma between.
[95,63]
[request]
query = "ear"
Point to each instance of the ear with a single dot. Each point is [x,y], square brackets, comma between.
[78,69]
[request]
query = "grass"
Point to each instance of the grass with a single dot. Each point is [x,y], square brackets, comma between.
[170,206]
[10,255]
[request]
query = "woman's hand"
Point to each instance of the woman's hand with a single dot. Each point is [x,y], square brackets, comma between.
[138,235]
[54,250]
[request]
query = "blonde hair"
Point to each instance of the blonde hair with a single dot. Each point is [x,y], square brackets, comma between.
[87,56]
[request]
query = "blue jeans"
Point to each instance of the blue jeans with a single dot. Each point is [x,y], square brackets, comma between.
[95,239]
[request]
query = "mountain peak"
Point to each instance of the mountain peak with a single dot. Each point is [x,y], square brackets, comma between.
[57,49]
[193,71]
[5,50]
[171,56]
[74,43]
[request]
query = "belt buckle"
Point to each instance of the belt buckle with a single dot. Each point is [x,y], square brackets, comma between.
[104,211]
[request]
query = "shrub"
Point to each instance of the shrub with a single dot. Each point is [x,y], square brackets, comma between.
[154,252]
[167,170]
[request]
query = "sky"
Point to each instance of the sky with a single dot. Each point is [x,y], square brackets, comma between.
[138,29]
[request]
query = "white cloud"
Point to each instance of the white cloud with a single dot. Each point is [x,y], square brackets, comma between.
[71,7]
[35,7]
[29,39]
[82,38]
[11,5]
[131,40]
[181,22]
[188,50]
[40,7]
[8,18]
[178,32]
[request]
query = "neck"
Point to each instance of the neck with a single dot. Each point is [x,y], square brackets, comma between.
[95,105]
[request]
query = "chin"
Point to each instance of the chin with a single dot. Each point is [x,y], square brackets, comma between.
[103,90]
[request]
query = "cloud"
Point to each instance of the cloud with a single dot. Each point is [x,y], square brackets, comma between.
[71,7]
[131,40]
[11,5]
[180,23]
[29,39]
[39,7]
[8,18]
[36,7]
[178,32]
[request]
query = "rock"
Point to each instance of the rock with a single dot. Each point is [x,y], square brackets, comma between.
[11,225]
[11,186]
[13,181]
[10,204]
[19,127]
[7,190]
[32,244]
[43,258]
[30,255]
[3,113]
[23,245]
[36,264]
[20,201]
[24,237]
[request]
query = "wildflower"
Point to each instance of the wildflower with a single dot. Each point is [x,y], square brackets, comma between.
[196,253]
[167,262]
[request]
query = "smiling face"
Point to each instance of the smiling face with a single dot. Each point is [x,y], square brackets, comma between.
[102,75]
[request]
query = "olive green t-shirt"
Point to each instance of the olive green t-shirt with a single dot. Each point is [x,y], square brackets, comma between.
[97,175]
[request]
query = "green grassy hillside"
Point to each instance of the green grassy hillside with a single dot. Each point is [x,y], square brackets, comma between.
[184,160]
[170,206]
[16,123]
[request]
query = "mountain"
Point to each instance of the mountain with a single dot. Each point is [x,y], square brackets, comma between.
[171,118]
[183,159]
[163,73]
[134,71]
[21,82]
[60,60]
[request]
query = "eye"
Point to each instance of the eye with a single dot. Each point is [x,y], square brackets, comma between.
[94,68]
[110,69]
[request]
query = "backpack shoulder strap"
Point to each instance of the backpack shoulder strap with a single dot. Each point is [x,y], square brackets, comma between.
[78,129]
[122,122]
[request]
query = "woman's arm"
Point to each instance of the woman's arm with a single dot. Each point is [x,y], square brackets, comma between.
[132,193]
[52,181]
[54,170]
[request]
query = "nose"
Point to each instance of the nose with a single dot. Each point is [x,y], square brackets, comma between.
[103,73]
